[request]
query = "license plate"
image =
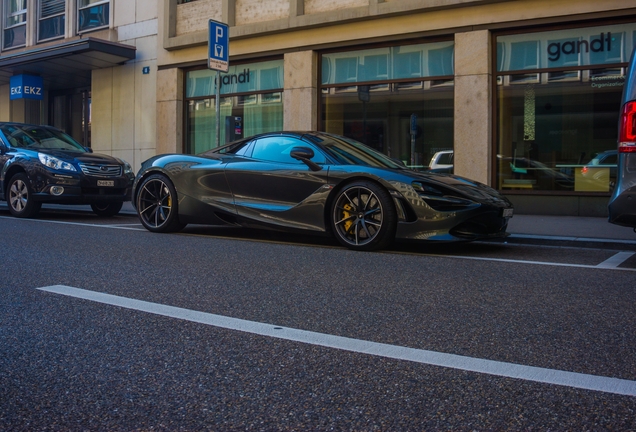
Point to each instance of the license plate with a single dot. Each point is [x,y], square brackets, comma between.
[105,182]
[507,213]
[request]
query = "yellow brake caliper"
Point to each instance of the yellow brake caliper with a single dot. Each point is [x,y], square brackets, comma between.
[346,215]
[169,200]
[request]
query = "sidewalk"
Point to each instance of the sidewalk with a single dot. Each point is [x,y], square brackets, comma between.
[522,228]
[569,228]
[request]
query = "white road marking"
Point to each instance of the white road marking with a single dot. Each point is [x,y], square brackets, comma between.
[545,263]
[616,260]
[504,260]
[491,367]
[115,226]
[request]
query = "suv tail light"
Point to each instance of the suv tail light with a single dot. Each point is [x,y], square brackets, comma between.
[627,133]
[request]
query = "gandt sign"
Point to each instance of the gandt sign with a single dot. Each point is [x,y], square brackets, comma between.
[218,44]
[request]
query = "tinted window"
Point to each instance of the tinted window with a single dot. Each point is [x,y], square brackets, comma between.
[446,159]
[38,138]
[278,149]
[350,152]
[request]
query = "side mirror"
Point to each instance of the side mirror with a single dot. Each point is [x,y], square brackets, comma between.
[88,149]
[305,154]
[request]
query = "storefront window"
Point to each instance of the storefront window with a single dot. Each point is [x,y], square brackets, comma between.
[374,96]
[251,103]
[558,102]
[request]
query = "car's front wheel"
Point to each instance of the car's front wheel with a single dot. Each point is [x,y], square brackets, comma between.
[363,216]
[106,208]
[157,205]
[20,197]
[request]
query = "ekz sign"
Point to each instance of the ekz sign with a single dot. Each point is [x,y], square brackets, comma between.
[26,87]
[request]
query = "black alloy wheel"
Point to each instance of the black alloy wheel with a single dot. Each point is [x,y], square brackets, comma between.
[106,208]
[157,205]
[363,216]
[20,197]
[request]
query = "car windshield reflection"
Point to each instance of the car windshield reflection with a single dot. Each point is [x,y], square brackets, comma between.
[350,152]
[39,138]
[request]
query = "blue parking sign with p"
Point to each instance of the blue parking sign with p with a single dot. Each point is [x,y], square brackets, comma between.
[218,46]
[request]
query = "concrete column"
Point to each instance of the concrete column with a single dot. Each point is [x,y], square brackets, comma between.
[170,111]
[473,106]
[300,98]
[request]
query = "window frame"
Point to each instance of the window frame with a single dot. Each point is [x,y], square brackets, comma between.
[5,17]
[96,3]
[40,19]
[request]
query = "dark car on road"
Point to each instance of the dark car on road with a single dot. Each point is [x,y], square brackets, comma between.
[315,182]
[42,164]
[622,205]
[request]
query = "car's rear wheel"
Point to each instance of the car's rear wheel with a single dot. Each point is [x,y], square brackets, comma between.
[157,205]
[363,216]
[20,197]
[106,208]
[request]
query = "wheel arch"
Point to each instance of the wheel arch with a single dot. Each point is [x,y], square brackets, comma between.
[341,185]
[8,175]
[140,179]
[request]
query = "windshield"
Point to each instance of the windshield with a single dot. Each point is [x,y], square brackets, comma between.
[39,138]
[350,152]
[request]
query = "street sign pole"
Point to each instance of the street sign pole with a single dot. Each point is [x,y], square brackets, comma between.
[217,108]
[218,59]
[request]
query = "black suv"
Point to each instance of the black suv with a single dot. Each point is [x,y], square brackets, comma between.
[622,205]
[42,164]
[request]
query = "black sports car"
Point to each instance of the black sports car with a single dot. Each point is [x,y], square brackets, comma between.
[315,182]
[42,164]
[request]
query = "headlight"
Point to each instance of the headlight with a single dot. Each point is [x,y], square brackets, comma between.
[128,169]
[441,200]
[55,163]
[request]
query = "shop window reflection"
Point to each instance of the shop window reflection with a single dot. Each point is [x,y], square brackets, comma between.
[379,116]
[551,128]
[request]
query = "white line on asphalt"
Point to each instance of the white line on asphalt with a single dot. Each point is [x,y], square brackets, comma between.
[616,260]
[508,370]
[545,263]
[505,260]
[116,226]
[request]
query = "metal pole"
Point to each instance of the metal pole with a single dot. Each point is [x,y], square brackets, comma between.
[217,106]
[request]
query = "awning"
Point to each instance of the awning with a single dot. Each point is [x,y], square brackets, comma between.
[65,65]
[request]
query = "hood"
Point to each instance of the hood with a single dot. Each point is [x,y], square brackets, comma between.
[82,157]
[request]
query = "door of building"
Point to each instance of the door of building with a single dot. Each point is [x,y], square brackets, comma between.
[70,111]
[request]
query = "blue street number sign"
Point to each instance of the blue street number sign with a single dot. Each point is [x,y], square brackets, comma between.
[218,46]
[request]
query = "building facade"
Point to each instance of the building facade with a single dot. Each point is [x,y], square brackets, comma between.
[524,93]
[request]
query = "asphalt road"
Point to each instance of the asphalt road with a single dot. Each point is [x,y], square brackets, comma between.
[216,329]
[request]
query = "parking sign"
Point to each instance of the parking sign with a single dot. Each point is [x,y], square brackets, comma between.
[218,46]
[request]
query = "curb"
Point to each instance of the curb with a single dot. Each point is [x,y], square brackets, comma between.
[568,241]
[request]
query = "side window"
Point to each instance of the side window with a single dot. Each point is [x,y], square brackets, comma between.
[278,149]
[16,137]
[610,160]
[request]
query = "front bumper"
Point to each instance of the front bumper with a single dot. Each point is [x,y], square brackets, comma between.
[75,188]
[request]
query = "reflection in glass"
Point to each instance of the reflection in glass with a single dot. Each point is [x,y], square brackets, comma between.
[380,116]
[551,131]
[259,113]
